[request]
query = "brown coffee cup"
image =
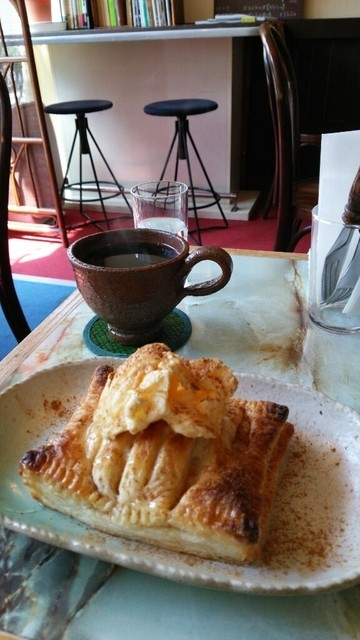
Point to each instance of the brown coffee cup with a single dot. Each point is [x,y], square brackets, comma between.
[133,278]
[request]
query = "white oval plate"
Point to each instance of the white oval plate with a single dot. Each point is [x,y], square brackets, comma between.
[314,538]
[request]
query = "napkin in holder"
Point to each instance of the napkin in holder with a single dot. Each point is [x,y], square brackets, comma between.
[338,208]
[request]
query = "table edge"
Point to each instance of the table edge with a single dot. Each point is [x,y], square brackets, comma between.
[23,350]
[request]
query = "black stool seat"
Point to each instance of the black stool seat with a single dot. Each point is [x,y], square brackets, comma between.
[180,108]
[78,107]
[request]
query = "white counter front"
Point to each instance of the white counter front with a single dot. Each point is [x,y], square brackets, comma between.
[133,67]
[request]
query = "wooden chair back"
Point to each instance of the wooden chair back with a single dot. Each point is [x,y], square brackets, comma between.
[294,200]
[8,297]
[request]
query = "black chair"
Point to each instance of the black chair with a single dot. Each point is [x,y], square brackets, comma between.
[103,189]
[181,110]
[8,297]
[293,198]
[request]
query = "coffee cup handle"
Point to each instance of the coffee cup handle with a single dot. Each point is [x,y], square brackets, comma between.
[215,254]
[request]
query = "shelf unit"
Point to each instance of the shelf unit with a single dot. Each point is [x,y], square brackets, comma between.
[34,203]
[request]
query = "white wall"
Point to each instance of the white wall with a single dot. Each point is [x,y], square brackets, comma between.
[132,74]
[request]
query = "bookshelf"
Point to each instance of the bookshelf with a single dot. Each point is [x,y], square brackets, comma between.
[34,204]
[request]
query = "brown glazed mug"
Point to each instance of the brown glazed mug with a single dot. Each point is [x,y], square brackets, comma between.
[133,278]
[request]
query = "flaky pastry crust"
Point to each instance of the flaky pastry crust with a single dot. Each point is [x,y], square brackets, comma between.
[208,496]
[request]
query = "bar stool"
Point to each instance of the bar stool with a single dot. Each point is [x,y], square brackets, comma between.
[104,189]
[181,109]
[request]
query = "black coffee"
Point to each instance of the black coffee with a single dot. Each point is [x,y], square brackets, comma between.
[130,260]
[130,256]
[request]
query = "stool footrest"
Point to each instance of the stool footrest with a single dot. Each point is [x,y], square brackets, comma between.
[90,185]
[205,193]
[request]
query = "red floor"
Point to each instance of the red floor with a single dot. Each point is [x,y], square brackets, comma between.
[46,257]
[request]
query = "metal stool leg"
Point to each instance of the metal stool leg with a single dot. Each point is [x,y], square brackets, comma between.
[82,131]
[214,193]
[169,155]
[182,133]
[65,180]
[119,186]
[183,154]
[85,150]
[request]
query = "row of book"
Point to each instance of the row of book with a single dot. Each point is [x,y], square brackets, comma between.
[155,13]
[88,14]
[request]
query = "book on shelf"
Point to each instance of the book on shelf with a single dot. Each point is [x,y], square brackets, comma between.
[76,13]
[120,6]
[85,14]
[108,13]
[112,13]
[177,12]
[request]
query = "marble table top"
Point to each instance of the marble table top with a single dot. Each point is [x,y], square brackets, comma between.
[257,324]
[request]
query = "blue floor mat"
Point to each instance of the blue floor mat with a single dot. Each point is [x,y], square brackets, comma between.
[38,299]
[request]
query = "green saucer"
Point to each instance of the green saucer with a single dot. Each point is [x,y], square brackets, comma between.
[176,331]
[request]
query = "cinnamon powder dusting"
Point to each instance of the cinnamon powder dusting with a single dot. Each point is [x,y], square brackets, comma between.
[56,406]
[306,524]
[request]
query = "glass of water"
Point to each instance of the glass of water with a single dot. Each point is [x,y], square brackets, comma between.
[161,205]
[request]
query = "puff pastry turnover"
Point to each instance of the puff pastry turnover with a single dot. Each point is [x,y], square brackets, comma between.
[161,451]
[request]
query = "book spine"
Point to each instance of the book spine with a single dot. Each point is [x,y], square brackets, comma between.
[144,17]
[162,13]
[112,14]
[150,13]
[73,10]
[155,13]
[63,10]
[104,13]
[68,14]
[120,6]
[94,13]
[129,15]
[83,21]
[177,12]
[168,13]
[136,13]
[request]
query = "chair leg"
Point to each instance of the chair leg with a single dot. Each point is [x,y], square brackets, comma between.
[297,237]
[269,201]
[11,306]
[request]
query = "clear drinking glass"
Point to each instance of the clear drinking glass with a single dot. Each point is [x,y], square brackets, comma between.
[161,205]
[334,286]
